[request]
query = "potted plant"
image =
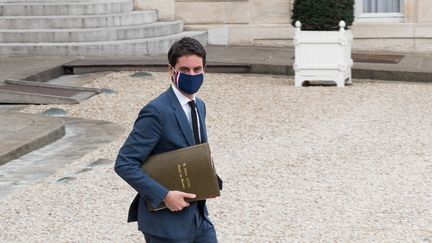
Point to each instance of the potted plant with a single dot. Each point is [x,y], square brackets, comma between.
[323,40]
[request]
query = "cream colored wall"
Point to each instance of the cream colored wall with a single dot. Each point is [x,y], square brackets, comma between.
[424,13]
[413,35]
[247,22]
[267,22]
[234,11]
[165,8]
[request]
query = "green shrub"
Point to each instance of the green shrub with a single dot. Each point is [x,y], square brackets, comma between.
[323,14]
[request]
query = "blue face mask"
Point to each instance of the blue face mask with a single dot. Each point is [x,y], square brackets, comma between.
[190,84]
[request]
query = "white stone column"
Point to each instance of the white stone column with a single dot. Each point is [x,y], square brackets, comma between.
[411,11]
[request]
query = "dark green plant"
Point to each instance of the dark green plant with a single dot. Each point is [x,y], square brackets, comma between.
[323,14]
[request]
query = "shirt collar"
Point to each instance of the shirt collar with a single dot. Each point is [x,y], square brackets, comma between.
[181,97]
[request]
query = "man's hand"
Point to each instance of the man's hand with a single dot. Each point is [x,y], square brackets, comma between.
[174,200]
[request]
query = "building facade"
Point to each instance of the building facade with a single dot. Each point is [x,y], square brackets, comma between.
[390,25]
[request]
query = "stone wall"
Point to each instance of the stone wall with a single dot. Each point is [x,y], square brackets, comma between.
[267,23]
[414,34]
[423,8]
[165,8]
[239,22]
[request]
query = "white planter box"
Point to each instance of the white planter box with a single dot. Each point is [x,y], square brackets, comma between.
[323,55]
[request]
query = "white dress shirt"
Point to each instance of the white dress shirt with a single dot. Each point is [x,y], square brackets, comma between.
[186,107]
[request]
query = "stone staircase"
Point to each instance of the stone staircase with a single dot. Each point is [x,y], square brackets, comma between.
[84,28]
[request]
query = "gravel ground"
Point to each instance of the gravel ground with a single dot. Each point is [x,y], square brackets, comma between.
[308,164]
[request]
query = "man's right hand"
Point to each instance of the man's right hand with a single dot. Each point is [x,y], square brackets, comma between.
[175,200]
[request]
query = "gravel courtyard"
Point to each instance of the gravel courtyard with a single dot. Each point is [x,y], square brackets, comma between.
[305,164]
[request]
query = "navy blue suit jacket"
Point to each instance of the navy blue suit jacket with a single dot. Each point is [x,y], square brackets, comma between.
[161,126]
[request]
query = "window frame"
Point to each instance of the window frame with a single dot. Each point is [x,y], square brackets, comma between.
[397,17]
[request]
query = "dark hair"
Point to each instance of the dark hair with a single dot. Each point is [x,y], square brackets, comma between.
[185,47]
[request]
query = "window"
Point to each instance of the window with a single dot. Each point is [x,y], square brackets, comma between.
[379,10]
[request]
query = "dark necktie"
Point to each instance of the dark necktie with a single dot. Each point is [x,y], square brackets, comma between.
[194,121]
[201,204]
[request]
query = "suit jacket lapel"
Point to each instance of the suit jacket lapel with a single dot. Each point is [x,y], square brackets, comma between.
[203,129]
[181,117]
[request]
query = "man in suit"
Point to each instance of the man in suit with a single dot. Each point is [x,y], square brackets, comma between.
[175,119]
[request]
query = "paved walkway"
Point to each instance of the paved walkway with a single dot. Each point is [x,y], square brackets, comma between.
[24,67]
[411,67]
[22,133]
[278,60]
[81,137]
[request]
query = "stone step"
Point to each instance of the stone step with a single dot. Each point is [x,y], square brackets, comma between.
[135,47]
[22,133]
[30,92]
[78,21]
[65,8]
[92,34]
[82,137]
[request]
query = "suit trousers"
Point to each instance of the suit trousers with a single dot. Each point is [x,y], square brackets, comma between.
[202,231]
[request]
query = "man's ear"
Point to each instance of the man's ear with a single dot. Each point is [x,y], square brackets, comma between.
[171,72]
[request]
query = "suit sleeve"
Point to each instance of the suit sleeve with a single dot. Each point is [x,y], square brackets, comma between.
[138,146]
[220,182]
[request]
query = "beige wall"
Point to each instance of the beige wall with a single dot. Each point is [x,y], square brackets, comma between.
[247,22]
[165,8]
[267,22]
[414,34]
[234,11]
[424,11]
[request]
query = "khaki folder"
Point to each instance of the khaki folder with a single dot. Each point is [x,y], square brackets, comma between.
[188,169]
